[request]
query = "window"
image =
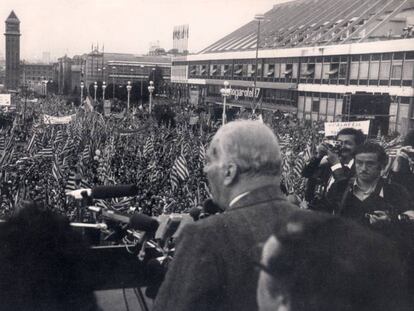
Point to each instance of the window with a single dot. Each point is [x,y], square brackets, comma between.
[408,70]
[342,71]
[396,72]
[193,70]
[238,70]
[287,73]
[214,70]
[269,70]
[318,71]
[307,71]
[373,70]
[385,70]
[363,70]
[315,105]
[354,70]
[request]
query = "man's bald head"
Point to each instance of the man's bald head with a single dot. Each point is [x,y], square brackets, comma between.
[243,156]
[251,145]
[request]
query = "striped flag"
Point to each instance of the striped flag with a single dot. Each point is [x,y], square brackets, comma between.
[180,167]
[86,152]
[45,152]
[71,182]
[2,143]
[56,171]
[201,154]
[174,180]
[149,147]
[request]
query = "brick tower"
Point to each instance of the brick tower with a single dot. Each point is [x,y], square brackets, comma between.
[12,51]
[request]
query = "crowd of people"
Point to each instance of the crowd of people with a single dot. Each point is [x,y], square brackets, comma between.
[279,181]
[41,161]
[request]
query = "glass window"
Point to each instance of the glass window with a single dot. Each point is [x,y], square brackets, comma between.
[301,103]
[339,103]
[308,104]
[363,70]
[295,67]
[322,106]
[315,105]
[408,70]
[396,71]
[385,70]
[277,70]
[331,107]
[342,71]
[354,70]
[318,71]
[373,70]
[326,69]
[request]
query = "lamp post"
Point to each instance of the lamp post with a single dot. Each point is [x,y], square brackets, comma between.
[82,85]
[113,82]
[103,90]
[225,92]
[95,86]
[129,87]
[150,90]
[142,79]
[258,18]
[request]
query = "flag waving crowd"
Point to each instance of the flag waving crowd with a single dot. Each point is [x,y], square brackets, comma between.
[52,147]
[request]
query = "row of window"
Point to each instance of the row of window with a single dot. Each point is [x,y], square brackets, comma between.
[368,69]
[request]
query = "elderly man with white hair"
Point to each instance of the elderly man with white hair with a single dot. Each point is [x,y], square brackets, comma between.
[213,267]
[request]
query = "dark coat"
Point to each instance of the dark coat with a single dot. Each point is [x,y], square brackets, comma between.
[213,267]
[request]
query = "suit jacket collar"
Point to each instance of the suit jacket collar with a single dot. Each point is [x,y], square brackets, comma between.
[257,196]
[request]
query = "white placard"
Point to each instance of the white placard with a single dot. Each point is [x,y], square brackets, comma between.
[332,128]
[57,120]
[5,99]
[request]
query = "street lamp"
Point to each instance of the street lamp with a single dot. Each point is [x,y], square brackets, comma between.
[129,87]
[258,18]
[103,90]
[150,90]
[225,92]
[142,79]
[113,82]
[95,86]
[82,85]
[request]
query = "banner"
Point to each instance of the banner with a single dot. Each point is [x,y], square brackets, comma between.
[58,120]
[5,99]
[332,128]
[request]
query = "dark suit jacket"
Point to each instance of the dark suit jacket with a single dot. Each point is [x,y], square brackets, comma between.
[213,265]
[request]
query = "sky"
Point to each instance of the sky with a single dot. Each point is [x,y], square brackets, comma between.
[123,26]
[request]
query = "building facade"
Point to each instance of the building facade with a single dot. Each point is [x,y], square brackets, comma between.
[314,58]
[12,36]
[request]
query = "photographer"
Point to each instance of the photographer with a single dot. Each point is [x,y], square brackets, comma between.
[331,163]
[367,198]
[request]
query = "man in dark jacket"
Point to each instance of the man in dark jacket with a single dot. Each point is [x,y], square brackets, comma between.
[367,198]
[331,164]
[213,267]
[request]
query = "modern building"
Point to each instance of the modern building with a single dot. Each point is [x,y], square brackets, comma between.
[322,59]
[12,35]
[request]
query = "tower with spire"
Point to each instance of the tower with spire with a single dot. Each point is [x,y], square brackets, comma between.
[12,35]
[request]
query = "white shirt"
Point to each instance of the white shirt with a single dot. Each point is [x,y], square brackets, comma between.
[237,198]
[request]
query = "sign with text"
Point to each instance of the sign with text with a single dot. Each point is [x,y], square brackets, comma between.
[245,93]
[332,128]
[57,120]
[5,99]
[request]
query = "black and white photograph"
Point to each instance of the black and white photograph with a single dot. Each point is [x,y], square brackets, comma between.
[207,155]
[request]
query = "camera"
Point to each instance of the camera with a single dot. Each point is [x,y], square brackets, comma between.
[334,146]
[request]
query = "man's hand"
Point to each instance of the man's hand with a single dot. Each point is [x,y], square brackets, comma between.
[333,158]
[77,194]
[378,217]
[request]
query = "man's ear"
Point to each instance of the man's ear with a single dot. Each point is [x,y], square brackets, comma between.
[230,173]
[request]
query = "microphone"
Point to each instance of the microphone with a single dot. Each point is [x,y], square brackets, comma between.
[143,222]
[107,192]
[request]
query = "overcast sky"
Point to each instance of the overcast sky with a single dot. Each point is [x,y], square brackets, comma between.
[71,26]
